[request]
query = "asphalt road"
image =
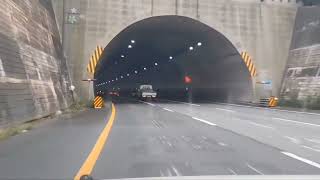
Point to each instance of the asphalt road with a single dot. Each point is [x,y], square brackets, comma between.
[54,150]
[165,138]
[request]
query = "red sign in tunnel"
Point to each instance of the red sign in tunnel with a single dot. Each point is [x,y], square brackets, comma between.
[187,79]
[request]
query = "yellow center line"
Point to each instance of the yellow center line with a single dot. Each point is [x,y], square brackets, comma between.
[90,162]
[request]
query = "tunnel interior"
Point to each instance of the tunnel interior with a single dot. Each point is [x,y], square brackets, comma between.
[180,57]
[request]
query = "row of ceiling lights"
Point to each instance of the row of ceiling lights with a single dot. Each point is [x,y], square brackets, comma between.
[191,48]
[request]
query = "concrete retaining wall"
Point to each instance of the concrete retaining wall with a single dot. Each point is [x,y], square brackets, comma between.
[301,85]
[33,74]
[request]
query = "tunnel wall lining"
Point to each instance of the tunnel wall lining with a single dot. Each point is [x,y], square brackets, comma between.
[33,73]
[221,69]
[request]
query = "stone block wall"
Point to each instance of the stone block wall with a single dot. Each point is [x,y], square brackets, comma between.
[33,73]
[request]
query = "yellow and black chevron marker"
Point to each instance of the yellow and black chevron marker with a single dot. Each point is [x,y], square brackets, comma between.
[98,102]
[249,63]
[94,59]
[273,101]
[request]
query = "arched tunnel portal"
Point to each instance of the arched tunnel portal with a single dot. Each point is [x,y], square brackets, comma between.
[181,57]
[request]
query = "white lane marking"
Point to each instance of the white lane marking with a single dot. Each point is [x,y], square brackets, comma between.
[2,72]
[204,121]
[294,140]
[156,124]
[301,159]
[192,104]
[298,112]
[266,108]
[313,149]
[175,171]
[167,109]
[254,169]
[150,104]
[261,125]
[147,103]
[297,122]
[313,140]
[228,110]
[232,171]
[222,144]
[203,137]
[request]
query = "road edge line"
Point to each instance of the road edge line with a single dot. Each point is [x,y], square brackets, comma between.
[204,121]
[297,122]
[307,161]
[167,109]
[92,158]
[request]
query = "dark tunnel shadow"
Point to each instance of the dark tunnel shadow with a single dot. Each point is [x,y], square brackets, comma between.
[216,68]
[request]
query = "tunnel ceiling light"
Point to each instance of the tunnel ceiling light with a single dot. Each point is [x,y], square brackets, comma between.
[109,81]
[144,68]
[128,74]
[199,44]
[156,64]
[116,79]
[170,57]
[122,56]
[133,41]
[190,48]
[112,80]
[129,46]
[136,71]
[121,77]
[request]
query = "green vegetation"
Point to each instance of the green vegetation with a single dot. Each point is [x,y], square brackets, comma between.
[313,103]
[14,130]
[310,103]
[311,2]
[80,106]
[291,103]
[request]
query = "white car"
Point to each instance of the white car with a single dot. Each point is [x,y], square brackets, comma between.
[146,91]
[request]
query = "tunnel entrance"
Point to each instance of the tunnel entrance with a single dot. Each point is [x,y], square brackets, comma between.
[181,57]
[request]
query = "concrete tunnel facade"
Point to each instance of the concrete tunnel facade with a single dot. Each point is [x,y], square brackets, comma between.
[166,49]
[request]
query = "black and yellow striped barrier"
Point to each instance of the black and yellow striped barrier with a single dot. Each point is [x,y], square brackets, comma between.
[94,59]
[249,63]
[98,102]
[273,101]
